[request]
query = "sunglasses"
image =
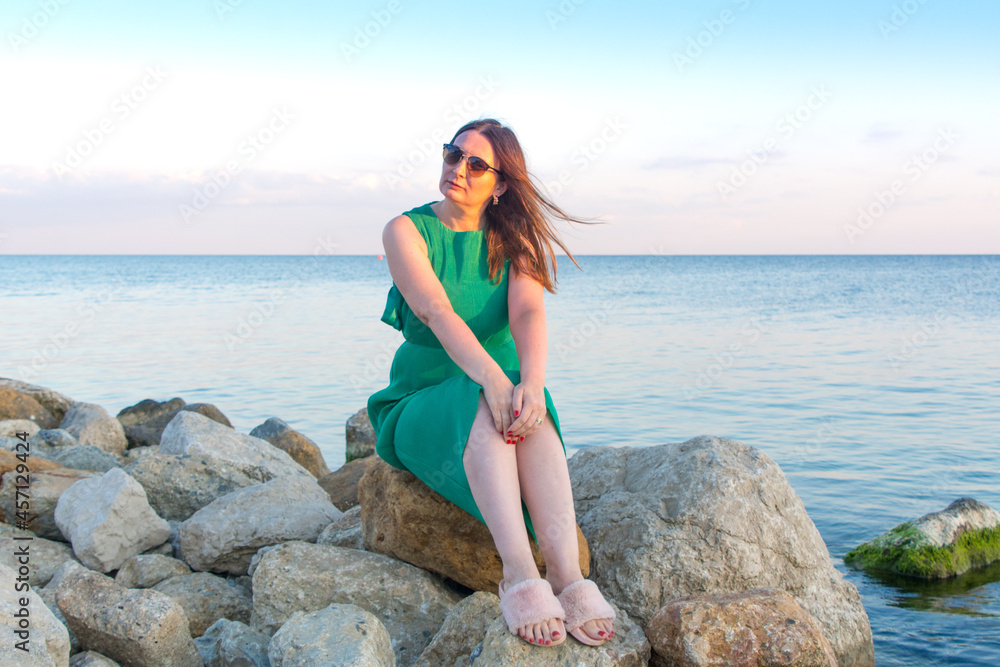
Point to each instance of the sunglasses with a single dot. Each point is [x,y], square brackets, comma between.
[477,165]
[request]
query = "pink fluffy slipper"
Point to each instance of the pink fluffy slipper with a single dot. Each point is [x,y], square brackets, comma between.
[583,602]
[529,602]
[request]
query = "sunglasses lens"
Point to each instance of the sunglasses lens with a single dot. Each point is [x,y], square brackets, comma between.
[452,154]
[477,166]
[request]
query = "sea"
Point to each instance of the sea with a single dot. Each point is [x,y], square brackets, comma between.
[873,381]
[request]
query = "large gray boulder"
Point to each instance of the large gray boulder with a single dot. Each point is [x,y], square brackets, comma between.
[147,570]
[44,556]
[46,488]
[179,485]
[299,576]
[144,425]
[463,630]
[44,642]
[108,520]
[224,535]
[708,515]
[194,434]
[131,626]
[92,425]
[340,634]
[233,644]
[206,598]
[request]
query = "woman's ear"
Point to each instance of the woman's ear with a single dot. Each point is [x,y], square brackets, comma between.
[500,188]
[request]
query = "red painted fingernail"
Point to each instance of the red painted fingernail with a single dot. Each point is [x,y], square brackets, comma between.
[522,437]
[516,412]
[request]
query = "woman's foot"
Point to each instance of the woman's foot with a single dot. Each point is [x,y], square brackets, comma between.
[589,618]
[532,611]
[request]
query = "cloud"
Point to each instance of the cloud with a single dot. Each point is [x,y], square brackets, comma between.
[684,162]
[880,133]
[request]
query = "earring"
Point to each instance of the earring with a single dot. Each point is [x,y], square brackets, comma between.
[495,200]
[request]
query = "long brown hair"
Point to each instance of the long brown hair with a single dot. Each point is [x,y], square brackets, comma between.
[517,227]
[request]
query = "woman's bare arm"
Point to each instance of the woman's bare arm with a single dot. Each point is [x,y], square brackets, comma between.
[526,309]
[406,254]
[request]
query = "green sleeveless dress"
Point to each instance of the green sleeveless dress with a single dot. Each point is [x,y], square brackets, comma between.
[423,418]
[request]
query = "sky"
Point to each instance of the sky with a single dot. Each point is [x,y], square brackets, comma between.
[726,127]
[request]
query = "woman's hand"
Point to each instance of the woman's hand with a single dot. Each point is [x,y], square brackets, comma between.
[529,404]
[498,391]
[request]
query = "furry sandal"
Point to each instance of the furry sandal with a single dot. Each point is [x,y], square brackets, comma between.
[583,602]
[528,603]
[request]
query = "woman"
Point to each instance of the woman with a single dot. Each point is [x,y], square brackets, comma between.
[466,409]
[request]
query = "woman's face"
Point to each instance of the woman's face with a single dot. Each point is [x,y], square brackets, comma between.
[462,187]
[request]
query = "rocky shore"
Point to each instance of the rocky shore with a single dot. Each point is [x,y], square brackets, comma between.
[162,536]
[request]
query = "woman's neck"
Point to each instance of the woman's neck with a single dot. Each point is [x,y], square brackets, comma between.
[458,218]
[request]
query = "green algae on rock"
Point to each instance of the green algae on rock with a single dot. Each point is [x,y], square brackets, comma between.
[963,536]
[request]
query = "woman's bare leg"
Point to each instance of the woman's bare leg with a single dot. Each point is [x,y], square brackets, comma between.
[492,469]
[545,487]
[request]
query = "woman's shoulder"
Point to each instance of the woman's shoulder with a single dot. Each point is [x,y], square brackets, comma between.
[412,224]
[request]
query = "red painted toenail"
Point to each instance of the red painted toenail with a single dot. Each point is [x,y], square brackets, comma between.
[555,634]
[600,632]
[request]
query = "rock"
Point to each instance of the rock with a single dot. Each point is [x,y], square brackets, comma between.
[44,642]
[10,428]
[47,484]
[709,515]
[108,520]
[298,576]
[92,425]
[206,598]
[340,634]
[54,402]
[404,518]
[342,484]
[303,451]
[55,437]
[233,643]
[130,626]
[147,570]
[764,627]
[463,629]
[48,594]
[628,648]
[964,535]
[194,434]
[44,556]
[345,532]
[179,485]
[143,411]
[224,535]
[360,436]
[85,457]
[149,433]
[91,659]
[9,462]
[16,405]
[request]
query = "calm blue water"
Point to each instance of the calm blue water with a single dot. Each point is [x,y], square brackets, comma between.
[873,381]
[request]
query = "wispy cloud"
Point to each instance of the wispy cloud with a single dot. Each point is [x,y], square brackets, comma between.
[684,162]
[881,133]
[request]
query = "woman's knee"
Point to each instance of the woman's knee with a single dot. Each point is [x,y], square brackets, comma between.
[483,433]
